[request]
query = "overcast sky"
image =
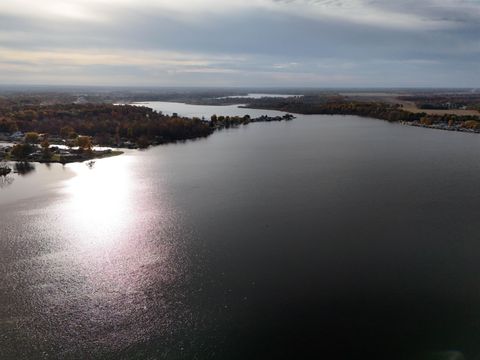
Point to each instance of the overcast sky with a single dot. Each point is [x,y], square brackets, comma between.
[314,43]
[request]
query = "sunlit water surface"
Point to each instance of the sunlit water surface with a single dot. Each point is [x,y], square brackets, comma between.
[340,237]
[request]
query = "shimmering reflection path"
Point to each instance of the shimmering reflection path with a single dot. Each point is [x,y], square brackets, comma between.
[95,272]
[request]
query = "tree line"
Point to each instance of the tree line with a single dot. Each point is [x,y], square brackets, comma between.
[108,124]
[377,110]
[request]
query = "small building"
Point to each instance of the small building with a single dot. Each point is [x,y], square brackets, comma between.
[18,135]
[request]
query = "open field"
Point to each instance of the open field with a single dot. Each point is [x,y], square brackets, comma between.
[410,106]
[393,98]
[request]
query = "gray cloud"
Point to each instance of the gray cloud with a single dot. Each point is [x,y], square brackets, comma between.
[330,43]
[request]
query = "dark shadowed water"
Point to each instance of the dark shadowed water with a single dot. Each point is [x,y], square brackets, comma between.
[324,237]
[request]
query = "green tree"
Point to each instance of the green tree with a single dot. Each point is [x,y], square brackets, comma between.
[47,154]
[66,132]
[21,151]
[31,137]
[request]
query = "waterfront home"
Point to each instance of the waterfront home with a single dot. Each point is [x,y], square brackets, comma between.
[16,136]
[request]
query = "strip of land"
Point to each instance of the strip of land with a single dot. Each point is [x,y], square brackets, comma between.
[68,127]
[66,133]
[384,106]
[430,105]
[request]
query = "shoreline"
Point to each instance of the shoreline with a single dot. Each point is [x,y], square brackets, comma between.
[59,159]
[436,121]
[370,110]
[442,127]
[31,152]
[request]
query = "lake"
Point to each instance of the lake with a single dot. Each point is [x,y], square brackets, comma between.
[327,236]
[259,96]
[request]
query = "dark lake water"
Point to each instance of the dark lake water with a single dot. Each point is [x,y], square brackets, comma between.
[324,237]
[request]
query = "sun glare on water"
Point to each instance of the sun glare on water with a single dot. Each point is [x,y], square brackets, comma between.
[99,201]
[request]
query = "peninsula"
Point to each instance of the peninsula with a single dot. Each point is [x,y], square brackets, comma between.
[57,132]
